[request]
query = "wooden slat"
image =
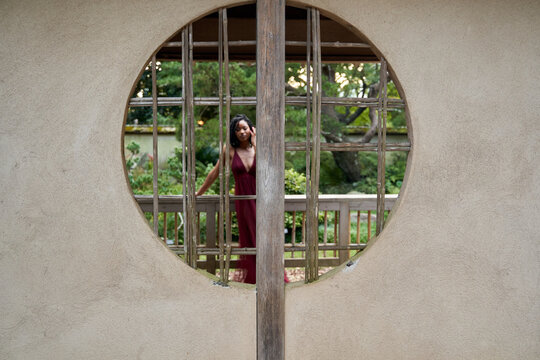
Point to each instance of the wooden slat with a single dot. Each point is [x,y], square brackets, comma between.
[211,240]
[293,235]
[369,225]
[184,161]
[301,146]
[235,250]
[307,224]
[221,214]
[364,202]
[198,227]
[298,262]
[192,205]
[237,43]
[312,239]
[191,230]
[344,230]
[165,227]
[155,146]
[325,236]
[336,234]
[176,228]
[252,100]
[358,227]
[228,231]
[381,150]
[270,178]
[303,239]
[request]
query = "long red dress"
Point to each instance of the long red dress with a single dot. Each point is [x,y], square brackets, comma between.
[245,184]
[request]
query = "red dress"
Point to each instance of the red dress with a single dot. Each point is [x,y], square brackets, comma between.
[245,184]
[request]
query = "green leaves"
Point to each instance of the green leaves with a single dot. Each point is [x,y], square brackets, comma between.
[295,182]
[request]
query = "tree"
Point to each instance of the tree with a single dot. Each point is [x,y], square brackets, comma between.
[340,171]
[346,80]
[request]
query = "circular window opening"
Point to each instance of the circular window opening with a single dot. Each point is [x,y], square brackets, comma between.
[190,107]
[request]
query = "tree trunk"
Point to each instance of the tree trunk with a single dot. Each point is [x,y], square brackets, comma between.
[345,160]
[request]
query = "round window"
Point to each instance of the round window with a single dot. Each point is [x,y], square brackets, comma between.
[190,143]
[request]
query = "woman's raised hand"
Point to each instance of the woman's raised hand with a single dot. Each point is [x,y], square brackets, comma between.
[253,132]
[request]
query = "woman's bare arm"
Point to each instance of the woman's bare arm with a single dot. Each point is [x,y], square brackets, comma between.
[210,178]
[212,175]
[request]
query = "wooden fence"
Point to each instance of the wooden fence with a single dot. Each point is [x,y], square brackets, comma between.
[346,224]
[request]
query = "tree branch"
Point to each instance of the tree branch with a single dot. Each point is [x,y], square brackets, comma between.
[350,118]
[372,92]
[294,91]
[333,138]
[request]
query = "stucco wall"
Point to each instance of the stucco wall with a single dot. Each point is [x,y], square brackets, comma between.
[455,275]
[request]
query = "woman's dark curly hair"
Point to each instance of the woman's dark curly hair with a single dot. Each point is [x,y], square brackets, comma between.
[232,128]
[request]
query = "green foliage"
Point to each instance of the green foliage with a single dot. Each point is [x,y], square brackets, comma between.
[395,171]
[295,182]
[339,80]
[133,147]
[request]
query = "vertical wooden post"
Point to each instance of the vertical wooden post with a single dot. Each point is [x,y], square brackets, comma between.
[336,235]
[381,146]
[165,227]
[175,228]
[221,216]
[228,231]
[293,235]
[190,233]
[270,178]
[368,225]
[312,206]
[211,239]
[184,162]
[358,227]
[155,206]
[344,230]
[325,236]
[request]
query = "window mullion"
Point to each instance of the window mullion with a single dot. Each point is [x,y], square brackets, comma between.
[309,130]
[155,190]
[381,145]
[191,228]
[312,219]
[228,217]
[184,86]
[222,155]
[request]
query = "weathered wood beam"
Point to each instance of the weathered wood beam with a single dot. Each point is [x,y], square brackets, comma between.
[155,189]
[329,202]
[253,251]
[228,229]
[221,214]
[252,100]
[301,146]
[314,129]
[191,230]
[270,179]
[381,149]
[236,43]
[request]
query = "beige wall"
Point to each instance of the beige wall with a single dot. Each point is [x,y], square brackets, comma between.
[455,275]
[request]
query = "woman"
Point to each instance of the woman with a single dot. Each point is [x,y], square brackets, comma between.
[243,166]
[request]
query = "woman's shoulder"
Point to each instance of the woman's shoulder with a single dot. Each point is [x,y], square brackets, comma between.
[231,150]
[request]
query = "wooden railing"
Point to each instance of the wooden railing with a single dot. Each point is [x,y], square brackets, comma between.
[346,224]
